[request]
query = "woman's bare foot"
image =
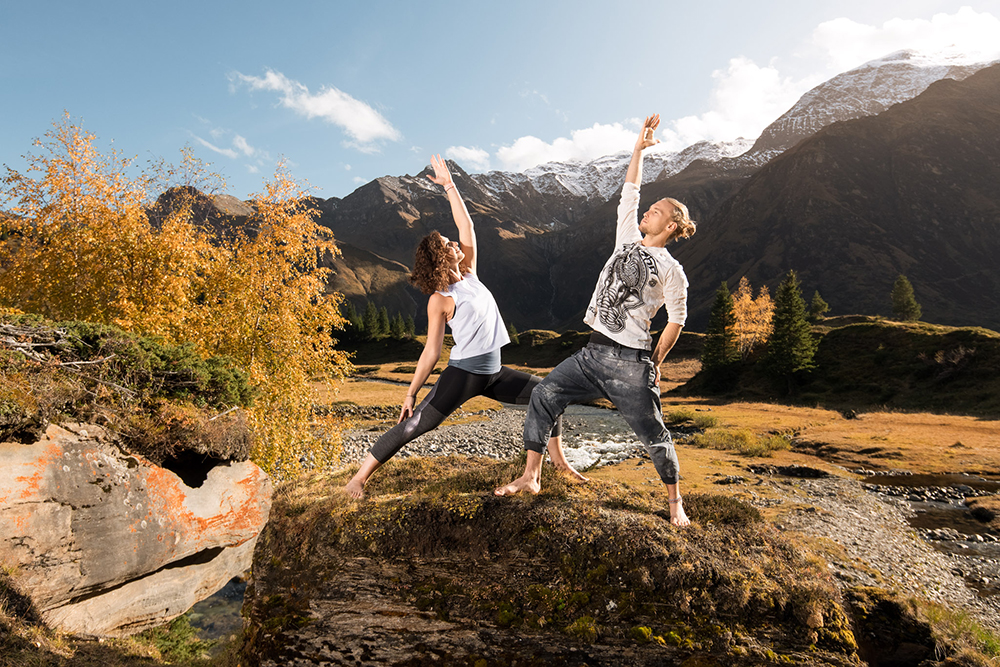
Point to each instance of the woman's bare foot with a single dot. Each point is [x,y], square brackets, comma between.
[525,482]
[570,472]
[677,515]
[355,489]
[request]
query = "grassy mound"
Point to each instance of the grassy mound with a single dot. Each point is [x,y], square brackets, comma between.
[910,365]
[865,363]
[594,568]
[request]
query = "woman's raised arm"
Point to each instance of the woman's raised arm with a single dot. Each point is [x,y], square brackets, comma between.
[466,232]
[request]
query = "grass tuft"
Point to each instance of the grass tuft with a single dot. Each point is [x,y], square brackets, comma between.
[743,441]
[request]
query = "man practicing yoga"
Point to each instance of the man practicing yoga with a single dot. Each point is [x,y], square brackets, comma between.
[617,364]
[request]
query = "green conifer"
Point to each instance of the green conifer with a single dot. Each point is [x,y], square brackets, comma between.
[512,332]
[370,321]
[411,328]
[791,348]
[720,354]
[397,328]
[904,304]
[818,307]
[353,326]
[383,321]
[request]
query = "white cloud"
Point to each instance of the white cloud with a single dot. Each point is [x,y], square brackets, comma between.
[363,124]
[582,145]
[253,169]
[241,145]
[347,167]
[973,36]
[228,152]
[746,99]
[471,158]
[359,180]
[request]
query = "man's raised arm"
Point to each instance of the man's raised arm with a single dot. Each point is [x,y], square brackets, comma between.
[645,140]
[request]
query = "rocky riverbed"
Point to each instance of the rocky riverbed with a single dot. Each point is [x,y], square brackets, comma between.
[877,525]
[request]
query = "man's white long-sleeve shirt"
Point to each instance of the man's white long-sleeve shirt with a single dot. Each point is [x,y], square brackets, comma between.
[635,282]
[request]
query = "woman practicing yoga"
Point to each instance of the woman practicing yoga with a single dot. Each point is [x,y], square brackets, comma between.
[446,270]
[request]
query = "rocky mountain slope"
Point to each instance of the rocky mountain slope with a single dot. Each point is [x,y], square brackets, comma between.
[545,233]
[912,191]
[867,90]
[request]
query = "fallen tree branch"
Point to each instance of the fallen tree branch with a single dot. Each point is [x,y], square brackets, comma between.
[221,414]
[82,363]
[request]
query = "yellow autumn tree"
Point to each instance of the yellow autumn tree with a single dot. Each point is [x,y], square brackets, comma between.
[78,244]
[271,314]
[77,241]
[753,317]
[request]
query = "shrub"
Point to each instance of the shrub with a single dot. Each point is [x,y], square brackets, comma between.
[742,440]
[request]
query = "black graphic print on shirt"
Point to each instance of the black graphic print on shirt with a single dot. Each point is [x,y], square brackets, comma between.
[631,271]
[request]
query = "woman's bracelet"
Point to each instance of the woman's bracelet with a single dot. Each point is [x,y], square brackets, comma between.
[450,186]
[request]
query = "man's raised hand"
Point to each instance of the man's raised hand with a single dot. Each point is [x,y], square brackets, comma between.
[646,139]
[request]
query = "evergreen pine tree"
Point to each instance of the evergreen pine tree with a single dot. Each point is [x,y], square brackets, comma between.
[383,321]
[720,354]
[370,321]
[411,328]
[512,332]
[818,307]
[904,304]
[791,349]
[397,328]
[353,327]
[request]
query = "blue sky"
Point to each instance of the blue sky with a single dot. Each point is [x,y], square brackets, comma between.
[347,91]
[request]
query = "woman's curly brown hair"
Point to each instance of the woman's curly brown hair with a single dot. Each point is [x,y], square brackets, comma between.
[430,265]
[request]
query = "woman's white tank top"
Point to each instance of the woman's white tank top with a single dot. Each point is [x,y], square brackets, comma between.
[476,325]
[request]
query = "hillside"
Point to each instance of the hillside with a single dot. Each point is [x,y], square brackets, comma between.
[912,191]
[865,363]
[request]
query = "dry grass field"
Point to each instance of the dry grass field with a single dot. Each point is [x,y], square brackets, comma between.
[916,441]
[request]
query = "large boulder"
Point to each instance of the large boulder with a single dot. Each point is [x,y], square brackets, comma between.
[106,543]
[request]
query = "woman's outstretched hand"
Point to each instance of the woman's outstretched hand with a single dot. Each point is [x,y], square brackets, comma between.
[646,139]
[441,174]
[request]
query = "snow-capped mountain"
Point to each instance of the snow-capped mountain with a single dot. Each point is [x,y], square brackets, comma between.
[863,91]
[601,178]
[544,231]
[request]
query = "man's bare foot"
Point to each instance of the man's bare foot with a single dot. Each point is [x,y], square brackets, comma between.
[677,515]
[570,472]
[355,489]
[523,483]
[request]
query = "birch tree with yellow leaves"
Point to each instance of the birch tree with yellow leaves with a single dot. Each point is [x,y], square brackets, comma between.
[77,242]
[752,324]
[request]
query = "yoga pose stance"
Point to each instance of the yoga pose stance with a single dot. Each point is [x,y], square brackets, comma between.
[638,278]
[446,270]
